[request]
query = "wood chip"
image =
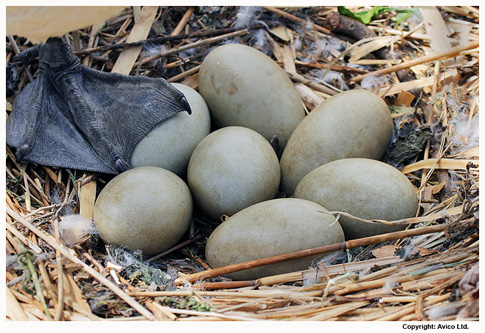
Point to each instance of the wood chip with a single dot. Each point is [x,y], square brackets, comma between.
[87,197]
[140,31]
[437,31]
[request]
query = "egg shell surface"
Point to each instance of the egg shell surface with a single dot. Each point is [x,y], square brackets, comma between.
[145,208]
[244,87]
[355,123]
[171,143]
[231,169]
[271,228]
[364,188]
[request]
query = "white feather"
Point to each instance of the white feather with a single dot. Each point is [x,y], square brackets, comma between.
[466,131]
[259,38]
[246,15]
[336,80]
[372,81]
[441,311]
[75,229]
[389,286]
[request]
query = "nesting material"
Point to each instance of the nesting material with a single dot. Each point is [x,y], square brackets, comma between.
[427,272]
[75,229]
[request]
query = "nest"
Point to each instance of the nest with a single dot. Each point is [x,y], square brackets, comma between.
[58,269]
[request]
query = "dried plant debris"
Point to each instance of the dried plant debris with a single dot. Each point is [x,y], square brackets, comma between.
[57,267]
[408,143]
[136,269]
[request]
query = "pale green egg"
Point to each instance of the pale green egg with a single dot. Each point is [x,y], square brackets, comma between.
[271,228]
[365,188]
[231,169]
[146,208]
[244,87]
[355,123]
[171,143]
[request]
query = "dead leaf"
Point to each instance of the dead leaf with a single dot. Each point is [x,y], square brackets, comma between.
[385,251]
[437,188]
[424,251]
[281,32]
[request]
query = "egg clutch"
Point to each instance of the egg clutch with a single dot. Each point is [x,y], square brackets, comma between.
[330,162]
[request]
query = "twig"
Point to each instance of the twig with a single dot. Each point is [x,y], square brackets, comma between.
[312,273]
[180,26]
[26,176]
[23,239]
[296,19]
[65,252]
[226,285]
[184,74]
[185,293]
[17,51]
[337,68]
[60,276]
[314,251]
[410,308]
[411,220]
[144,21]
[314,85]
[160,312]
[421,60]
[208,314]
[59,205]
[160,40]
[192,45]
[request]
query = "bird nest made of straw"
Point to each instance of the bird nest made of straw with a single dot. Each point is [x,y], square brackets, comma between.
[422,61]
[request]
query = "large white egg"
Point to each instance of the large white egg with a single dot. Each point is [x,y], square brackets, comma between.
[355,123]
[231,169]
[364,188]
[271,228]
[244,87]
[171,143]
[145,208]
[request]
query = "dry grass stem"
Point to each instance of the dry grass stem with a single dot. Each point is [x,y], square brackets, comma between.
[426,69]
[433,57]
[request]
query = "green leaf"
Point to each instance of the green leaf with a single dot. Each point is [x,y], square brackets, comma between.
[403,14]
[366,16]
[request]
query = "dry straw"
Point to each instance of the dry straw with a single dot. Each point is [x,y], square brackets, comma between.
[421,273]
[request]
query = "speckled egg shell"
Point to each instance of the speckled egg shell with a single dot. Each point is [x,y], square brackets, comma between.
[271,228]
[364,188]
[244,87]
[231,169]
[171,143]
[354,123]
[145,208]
